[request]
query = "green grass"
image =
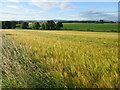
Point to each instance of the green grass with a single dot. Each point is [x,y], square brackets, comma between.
[107,27]
[66,59]
[91,26]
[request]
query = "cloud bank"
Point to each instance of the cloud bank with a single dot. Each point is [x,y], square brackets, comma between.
[97,15]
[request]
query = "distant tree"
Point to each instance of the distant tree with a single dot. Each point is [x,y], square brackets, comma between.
[3,25]
[111,22]
[24,25]
[0,24]
[47,26]
[6,25]
[101,21]
[97,22]
[13,24]
[43,26]
[59,25]
[35,25]
[52,25]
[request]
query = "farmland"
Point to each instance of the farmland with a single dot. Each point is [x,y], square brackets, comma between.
[91,26]
[107,27]
[60,59]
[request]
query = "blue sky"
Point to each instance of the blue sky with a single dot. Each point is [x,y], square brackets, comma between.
[17,10]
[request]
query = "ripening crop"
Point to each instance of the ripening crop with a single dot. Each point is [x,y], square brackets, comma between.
[70,59]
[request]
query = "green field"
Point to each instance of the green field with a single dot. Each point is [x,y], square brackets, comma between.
[91,26]
[60,59]
[107,27]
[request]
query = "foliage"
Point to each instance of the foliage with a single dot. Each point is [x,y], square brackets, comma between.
[35,25]
[43,26]
[24,25]
[59,25]
[47,26]
[8,24]
[52,25]
[101,21]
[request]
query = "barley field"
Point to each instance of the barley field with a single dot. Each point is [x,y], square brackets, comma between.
[60,59]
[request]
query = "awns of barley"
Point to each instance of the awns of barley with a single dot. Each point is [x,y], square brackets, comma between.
[67,59]
[17,68]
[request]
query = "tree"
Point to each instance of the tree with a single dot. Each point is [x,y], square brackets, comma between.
[43,26]
[3,25]
[47,26]
[35,25]
[0,24]
[101,21]
[59,25]
[9,24]
[52,25]
[6,25]
[24,25]
[13,24]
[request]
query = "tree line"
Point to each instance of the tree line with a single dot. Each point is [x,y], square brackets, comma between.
[8,24]
[88,21]
[48,25]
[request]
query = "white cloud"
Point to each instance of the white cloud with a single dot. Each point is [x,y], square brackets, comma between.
[14,16]
[11,0]
[97,15]
[12,6]
[63,6]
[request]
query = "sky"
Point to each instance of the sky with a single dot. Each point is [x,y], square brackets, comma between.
[61,10]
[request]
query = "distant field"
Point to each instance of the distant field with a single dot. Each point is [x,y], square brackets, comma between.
[108,27]
[91,26]
[60,59]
